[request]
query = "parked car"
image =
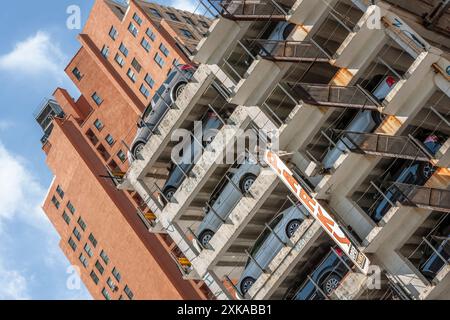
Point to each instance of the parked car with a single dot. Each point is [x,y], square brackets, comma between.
[436,260]
[226,196]
[269,243]
[414,174]
[327,276]
[211,123]
[365,121]
[162,101]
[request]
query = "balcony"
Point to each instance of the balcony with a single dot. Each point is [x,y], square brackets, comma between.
[288,51]
[251,10]
[402,147]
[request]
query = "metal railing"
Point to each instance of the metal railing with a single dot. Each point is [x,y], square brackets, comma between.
[288,50]
[250,9]
[383,145]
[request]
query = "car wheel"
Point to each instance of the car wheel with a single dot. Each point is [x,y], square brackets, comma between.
[247,182]
[137,150]
[426,170]
[168,194]
[246,284]
[377,117]
[178,91]
[292,227]
[205,237]
[331,283]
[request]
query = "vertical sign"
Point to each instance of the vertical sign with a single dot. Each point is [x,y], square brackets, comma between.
[318,212]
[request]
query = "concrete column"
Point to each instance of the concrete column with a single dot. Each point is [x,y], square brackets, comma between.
[221,39]
[308,12]
[409,95]
[362,46]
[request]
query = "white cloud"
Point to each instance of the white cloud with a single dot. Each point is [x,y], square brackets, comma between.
[5,124]
[13,285]
[36,55]
[20,193]
[188,5]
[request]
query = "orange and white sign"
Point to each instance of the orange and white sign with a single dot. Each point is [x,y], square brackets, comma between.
[318,212]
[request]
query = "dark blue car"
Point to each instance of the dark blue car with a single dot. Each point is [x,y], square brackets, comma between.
[416,174]
[327,276]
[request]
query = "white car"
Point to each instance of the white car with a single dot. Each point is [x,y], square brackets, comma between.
[268,244]
[225,197]
[365,121]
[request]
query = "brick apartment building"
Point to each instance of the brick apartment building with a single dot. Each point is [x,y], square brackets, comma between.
[126,53]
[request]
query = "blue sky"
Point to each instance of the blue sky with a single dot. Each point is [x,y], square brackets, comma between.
[36,46]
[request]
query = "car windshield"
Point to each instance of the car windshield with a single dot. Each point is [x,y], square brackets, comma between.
[171,76]
[158,94]
[147,112]
[259,242]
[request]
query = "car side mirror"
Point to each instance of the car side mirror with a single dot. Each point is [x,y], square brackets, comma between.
[140,124]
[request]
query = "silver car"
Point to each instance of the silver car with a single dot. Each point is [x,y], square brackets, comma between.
[269,244]
[211,124]
[162,101]
[226,196]
[364,121]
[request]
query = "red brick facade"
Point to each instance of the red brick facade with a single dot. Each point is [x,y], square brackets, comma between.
[89,139]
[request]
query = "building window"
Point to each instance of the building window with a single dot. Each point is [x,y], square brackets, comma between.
[120,60]
[60,192]
[133,30]
[128,292]
[97,99]
[146,45]
[66,218]
[155,12]
[93,240]
[99,125]
[187,33]
[82,224]
[150,34]
[99,267]
[116,274]
[56,202]
[94,277]
[122,156]
[131,75]
[72,244]
[110,140]
[77,234]
[172,16]
[123,49]
[106,294]
[111,284]
[113,33]
[149,80]
[88,250]
[159,60]
[137,19]
[71,208]
[164,50]
[136,65]
[84,261]
[77,74]
[188,20]
[105,51]
[105,257]
[144,91]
